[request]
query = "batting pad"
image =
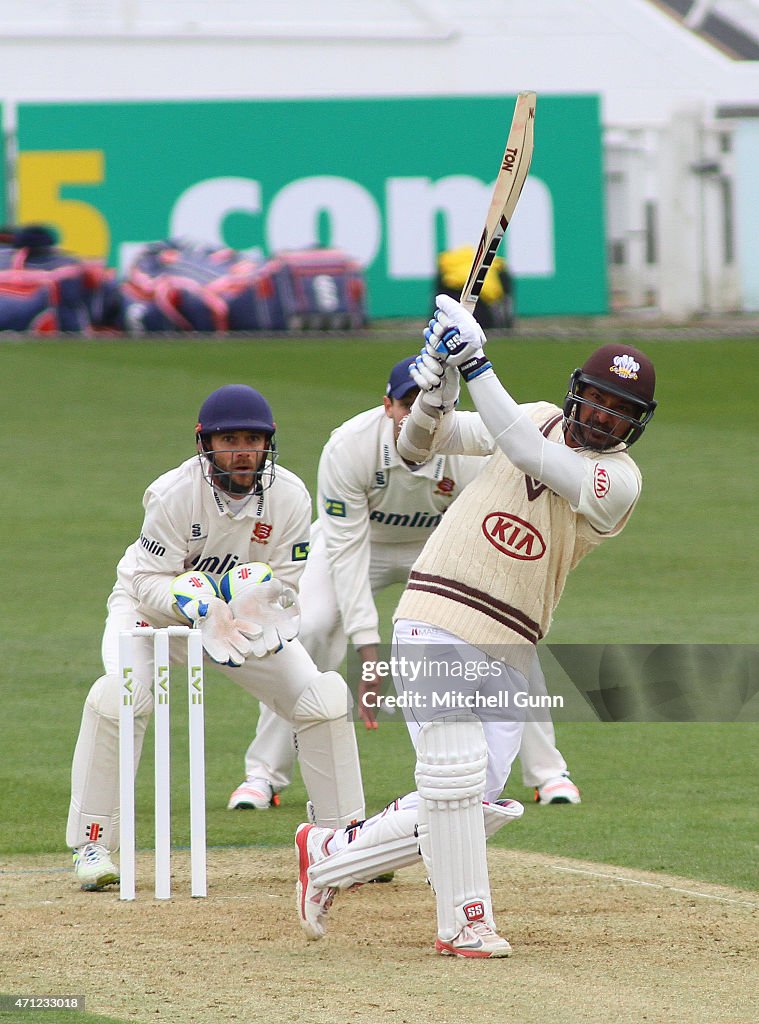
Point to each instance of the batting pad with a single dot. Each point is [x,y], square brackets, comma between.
[94,808]
[451,763]
[388,842]
[328,752]
[385,843]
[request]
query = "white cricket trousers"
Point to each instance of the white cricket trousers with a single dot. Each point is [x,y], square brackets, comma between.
[316,705]
[271,755]
[429,661]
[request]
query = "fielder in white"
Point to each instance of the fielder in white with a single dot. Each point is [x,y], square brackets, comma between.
[482,593]
[375,514]
[229,504]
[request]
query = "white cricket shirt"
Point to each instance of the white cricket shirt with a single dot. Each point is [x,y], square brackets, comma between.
[190,525]
[367,496]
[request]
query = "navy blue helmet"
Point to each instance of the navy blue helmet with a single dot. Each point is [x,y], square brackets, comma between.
[235,407]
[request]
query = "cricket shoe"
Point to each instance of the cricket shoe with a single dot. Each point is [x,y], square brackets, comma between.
[253,795]
[560,790]
[94,867]
[313,902]
[477,940]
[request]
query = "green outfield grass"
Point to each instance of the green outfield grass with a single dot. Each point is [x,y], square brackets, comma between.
[90,424]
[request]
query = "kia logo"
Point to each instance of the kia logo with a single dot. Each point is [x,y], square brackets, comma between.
[601,482]
[513,536]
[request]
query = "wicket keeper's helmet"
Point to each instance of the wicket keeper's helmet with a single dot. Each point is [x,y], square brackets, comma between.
[622,371]
[236,407]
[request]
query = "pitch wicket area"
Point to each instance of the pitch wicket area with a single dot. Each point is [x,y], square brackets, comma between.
[127,768]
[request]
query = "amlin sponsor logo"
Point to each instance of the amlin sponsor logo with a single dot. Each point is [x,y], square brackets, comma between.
[215,564]
[152,546]
[417,519]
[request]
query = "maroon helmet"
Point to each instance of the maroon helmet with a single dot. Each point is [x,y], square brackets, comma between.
[620,370]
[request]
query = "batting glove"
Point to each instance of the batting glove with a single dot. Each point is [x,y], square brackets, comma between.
[223,642]
[438,381]
[268,615]
[455,337]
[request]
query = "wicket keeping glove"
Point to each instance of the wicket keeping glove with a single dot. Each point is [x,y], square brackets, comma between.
[223,642]
[455,338]
[268,615]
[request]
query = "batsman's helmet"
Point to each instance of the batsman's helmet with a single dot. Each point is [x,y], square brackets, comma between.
[236,407]
[622,371]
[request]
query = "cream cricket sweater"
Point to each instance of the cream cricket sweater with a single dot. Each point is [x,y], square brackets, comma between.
[492,573]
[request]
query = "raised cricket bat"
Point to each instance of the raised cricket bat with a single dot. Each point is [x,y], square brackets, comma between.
[508,187]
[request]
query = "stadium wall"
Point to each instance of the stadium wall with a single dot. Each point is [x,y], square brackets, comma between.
[651,75]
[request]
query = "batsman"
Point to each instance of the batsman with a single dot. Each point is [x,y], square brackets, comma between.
[482,594]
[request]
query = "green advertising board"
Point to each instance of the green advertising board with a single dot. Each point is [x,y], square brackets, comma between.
[391,181]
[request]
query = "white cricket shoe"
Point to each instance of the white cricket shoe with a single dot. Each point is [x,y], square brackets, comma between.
[560,790]
[253,795]
[313,903]
[474,940]
[94,867]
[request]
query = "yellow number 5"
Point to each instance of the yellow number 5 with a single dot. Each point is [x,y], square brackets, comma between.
[41,175]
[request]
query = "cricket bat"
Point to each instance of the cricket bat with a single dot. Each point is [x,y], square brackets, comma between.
[508,187]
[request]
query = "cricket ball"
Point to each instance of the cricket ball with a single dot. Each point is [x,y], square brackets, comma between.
[239,579]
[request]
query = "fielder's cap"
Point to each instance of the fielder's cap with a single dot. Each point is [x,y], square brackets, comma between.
[400,381]
[621,369]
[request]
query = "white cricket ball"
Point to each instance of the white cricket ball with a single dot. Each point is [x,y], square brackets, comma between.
[193,586]
[239,579]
